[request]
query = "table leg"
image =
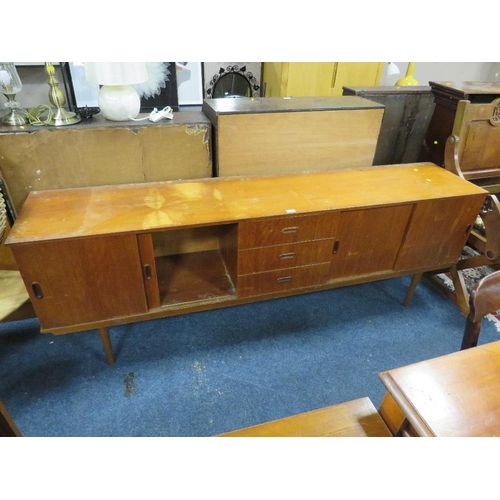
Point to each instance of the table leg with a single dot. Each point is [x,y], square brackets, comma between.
[413,285]
[106,342]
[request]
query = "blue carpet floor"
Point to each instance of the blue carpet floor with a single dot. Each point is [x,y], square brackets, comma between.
[210,372]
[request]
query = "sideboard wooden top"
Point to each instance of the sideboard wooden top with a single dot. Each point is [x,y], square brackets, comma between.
[249,105]
[81,212]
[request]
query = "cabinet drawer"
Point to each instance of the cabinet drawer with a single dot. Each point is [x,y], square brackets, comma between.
[257,260]
[282,280]
[281,230]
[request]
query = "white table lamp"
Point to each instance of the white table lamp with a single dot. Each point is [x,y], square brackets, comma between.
[118,100]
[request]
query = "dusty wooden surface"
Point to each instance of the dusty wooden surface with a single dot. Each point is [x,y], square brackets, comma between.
[456,395]
[70,213]
[100,152]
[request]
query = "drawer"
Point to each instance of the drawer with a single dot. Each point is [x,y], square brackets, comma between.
[282,280]
[292,229]
[255,260]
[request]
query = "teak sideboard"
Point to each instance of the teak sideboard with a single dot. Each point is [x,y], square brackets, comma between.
[101,256]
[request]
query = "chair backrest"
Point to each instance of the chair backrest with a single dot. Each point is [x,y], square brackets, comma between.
[474,145]
[484,299]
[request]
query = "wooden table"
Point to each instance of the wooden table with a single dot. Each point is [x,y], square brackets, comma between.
[454,395]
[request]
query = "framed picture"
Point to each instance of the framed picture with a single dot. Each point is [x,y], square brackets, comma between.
[167,89]
[190,83]
[82,95]
[79,92]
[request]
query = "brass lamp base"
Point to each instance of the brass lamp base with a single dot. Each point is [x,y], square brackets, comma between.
[56,97]
[63,117]
[13,117]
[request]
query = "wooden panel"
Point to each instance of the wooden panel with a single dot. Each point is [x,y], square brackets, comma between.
[147,254]
[13,293]
[357,73]
[317,78]
[7,261]
[193,277]
[391,414]
[481,148]
[284,256]
[310,78]
[102,210]
[369,240]
[104,153]
[424,244]
[290,142]
[357,418]
[83,280]
[282,280]
[291,229]
[408,111]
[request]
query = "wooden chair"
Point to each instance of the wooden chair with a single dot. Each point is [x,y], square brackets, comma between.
[484,299]
[473,153]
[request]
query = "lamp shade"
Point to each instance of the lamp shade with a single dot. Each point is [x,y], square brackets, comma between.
[116,73]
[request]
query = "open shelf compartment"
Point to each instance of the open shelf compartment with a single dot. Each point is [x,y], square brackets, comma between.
[195,264]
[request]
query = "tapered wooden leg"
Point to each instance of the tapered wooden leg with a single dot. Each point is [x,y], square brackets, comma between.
[461,294]
[413,285]
[106,342]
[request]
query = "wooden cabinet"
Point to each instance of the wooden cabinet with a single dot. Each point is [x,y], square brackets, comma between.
[95,257]
[407,114]
[296,79]
[100,152]
[446,97]
[83,280]
[274,135]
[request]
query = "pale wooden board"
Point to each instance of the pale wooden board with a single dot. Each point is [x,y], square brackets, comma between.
[270,143]
[13,293]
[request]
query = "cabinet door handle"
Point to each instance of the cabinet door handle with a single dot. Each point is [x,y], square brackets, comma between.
[284,279]
[147,272]
[288,255]
[336,245]
[290,230]
[37,290]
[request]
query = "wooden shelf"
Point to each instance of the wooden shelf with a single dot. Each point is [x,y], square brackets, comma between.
[193,277]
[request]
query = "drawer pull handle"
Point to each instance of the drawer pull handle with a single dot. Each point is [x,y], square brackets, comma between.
[336,246]
[290,230]
[284,279]
[147,272]
[288,255]
[37,290]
